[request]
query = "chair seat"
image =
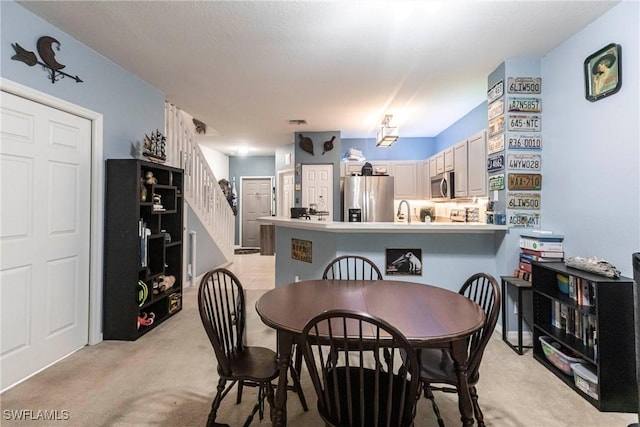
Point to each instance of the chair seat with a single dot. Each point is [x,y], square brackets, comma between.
[254,363]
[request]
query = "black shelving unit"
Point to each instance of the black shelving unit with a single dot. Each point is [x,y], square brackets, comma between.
[613,356]
[143,245]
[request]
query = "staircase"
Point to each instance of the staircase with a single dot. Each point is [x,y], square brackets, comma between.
[201,189]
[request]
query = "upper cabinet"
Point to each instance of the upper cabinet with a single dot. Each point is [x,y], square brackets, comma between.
[460,151]
[433,166]
[426,179]
[477,164]
[470,166]
[449,163]
[407,179]
[440,163]
[379,168]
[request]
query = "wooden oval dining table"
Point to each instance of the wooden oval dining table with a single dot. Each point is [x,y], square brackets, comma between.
[429,316]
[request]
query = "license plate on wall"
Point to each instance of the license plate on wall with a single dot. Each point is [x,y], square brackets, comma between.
[523,201]
[496,91]
[524,84]
[495,163]
[496,108]
[496,126]
[523,141]
[524,219]
[525,105]
[524,181]
[495,144]
[530,162]
[525,122]
[496,182]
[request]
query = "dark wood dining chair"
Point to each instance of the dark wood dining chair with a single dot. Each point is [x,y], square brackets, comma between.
[355,389]
[352,267]
[221,303]
[436,366]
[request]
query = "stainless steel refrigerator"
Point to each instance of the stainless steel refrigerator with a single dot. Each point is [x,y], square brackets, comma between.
[368,198]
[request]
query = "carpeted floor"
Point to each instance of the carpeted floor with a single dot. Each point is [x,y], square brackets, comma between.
[168,378]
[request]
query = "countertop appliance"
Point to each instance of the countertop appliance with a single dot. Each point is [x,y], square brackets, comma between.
[300,213]
[442,187]
[372,195]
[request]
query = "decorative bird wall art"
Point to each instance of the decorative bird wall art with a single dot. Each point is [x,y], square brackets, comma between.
[48,56]
[305,143]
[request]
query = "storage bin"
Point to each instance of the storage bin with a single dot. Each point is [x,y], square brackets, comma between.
[585,379]
[563,283]
[557,356]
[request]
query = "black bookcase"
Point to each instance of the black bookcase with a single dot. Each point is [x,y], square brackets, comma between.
[143,247]
[612,358]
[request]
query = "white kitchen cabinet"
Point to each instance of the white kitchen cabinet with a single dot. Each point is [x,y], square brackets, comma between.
[379,168]
[406,179]
[477,164]
[449,163]
[440,163]
[351,168]
[460,168]
[426,179]
[433,168]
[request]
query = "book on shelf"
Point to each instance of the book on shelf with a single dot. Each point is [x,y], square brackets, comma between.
[540,245]
[543,255]
[542,235]
[524,265]
[521,274]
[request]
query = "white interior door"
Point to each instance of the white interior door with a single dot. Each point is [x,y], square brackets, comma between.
[45,164]
[317,180]
[286,193]
[256,197]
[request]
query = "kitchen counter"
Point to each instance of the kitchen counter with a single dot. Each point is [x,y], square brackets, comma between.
[382,227]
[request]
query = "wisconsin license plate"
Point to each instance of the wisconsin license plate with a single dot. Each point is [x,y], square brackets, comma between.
[495,163]
[495,144]
[525,105]
[524,219]
[525,122]
[496,126]
[496,182]
[496,91]
[523,201]
[524,84]
[524,181]
[529,162]
[523,141]
[496,108]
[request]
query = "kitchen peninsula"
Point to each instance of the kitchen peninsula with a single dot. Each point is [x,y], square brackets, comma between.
[450,251]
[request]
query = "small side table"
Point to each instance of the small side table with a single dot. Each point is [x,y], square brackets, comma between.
[522,286]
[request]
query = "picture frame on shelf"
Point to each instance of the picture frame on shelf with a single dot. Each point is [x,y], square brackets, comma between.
[603,72]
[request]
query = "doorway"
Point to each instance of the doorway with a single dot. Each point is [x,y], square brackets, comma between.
[317,182]
[52,197]
[286,192]
[256,200]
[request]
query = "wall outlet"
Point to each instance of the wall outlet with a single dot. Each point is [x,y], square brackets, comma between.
[515,308]
[296,279]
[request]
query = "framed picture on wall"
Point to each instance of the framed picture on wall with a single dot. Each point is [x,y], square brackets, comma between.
[404,262]
[603,72]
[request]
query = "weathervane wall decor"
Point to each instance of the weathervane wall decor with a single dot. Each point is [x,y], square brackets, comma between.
[45,50]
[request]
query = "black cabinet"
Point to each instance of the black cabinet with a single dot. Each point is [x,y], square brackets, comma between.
[595,326]
[143,251]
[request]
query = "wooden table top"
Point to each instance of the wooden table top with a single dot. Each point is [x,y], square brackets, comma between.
[426,315]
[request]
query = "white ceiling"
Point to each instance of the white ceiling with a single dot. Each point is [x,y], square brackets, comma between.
[247,68]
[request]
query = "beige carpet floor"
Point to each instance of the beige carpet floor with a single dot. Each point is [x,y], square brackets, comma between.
[168,378]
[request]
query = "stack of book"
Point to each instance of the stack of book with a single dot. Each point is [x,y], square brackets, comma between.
[541,246]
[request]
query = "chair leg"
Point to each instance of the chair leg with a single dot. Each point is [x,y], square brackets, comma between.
[298,363]
[476,406]
[257,407]
[428,393]
[297,387]
[240,386]
[211,420]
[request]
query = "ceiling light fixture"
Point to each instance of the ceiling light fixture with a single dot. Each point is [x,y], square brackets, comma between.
[388,134]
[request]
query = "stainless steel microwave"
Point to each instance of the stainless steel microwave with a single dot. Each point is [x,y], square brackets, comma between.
[442,187]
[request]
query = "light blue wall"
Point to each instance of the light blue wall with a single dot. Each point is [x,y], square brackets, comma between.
[591,150]
[473,122]
[130,107]
[403,149]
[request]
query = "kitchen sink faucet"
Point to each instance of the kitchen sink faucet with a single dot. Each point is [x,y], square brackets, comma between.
[408,211]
